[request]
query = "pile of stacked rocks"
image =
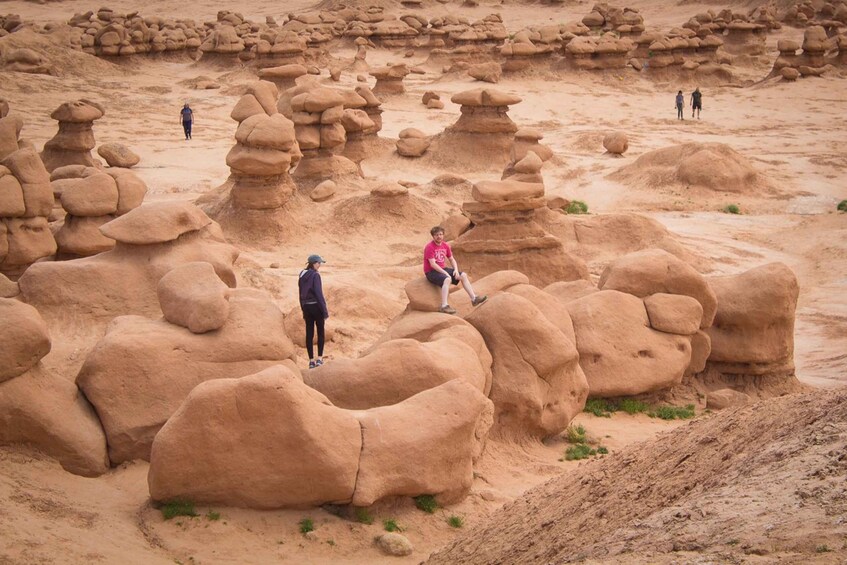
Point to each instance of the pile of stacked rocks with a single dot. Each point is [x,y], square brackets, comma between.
[317,115]
[74,141]
[281,49]
[26,201]
[266,150]
[108,34]
[505,234]
[812,60]
[91,198]
[597,53]
[623,21]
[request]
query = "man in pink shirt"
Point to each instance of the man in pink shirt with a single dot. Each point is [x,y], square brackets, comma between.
[436,254]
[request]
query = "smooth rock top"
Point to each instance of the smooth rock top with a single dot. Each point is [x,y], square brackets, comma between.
[261,130]
[194,297]
[492,190]
[528,134]
[485,97]
[78,111]
[283,71]
[156,222]
[317,100]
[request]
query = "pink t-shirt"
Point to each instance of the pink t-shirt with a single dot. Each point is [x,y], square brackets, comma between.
[438,252]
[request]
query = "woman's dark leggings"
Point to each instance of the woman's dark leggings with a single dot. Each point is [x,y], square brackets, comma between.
[314,316]
[679,111]
[187,127]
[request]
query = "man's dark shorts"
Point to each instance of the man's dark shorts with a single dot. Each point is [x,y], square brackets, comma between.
[697,106]
[437,278]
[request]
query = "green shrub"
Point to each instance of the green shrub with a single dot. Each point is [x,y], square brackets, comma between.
[822,549]
[426,502]
[577,207]
[602,450]
[575,434]
[390,525]
[632,406]
[455,522]
[732,209]
[213,516]
[842,206]
[363,516]
[579,451]
[178,507]
[598,407]
[306,525]
[673,412]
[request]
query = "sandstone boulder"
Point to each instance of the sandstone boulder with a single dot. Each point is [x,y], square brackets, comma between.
[49,412]
[538,385]
[24,338]
[616,143]
[261,441]
[753,331]
[194,297]
[726,398]
[140,372]
[118,155]
[656,271]
[619,351]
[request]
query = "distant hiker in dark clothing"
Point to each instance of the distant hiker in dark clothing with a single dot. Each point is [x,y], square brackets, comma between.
[313,305]
[696,102]
[187,117]
[680,103]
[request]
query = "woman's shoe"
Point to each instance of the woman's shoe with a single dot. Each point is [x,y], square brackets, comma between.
[319,362]
[312,364]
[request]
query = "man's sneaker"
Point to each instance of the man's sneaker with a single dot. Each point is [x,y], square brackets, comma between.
[312,364]
[480,299]
[447,310]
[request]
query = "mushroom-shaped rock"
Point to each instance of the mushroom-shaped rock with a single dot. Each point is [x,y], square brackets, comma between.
[194,297]
[156,222]
[140,372]
[753,330]
[74,141]
[425,445]
[24,338]
[619,351]
[656,271]
[261,441]
[412,143]
[538,385]
[118,155]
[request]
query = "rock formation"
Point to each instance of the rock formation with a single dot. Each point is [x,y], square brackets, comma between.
[389,80]
[74,141]
[505,234]
[283,76]
[91,198]
[287,446]
[26,202]
[266,149]
[118,155]
[482,136]
[150,241]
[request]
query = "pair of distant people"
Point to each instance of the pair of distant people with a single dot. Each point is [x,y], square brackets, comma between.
[696,104]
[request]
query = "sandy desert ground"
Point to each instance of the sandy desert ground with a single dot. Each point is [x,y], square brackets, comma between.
[794,133]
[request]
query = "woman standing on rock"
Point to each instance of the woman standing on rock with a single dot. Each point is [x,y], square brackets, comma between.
[313,305]
[680,103]
[187,117]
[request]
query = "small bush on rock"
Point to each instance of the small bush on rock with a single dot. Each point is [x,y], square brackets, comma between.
[455,521]
[306,525]
[363,516]
[842,206]
[732,209]
[577,207]
[390,525]
[575,434]
[673,412]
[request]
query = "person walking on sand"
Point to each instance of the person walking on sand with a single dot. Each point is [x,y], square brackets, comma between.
[680,104]
[313,305]
[436,254]
[187,117]
[696,102]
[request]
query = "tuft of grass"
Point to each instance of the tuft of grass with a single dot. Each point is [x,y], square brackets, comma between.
[455,521]
[822,549]
[673,412]
[363,516]
[306,525]
[602,450]
[575,434]
[391,525]
[178,507]
[577,207]
[842,206]
[578,452]
[732,209]
[632,406]
[213,516]
[426,502]
[733,541]
[330,542]
[598,407]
